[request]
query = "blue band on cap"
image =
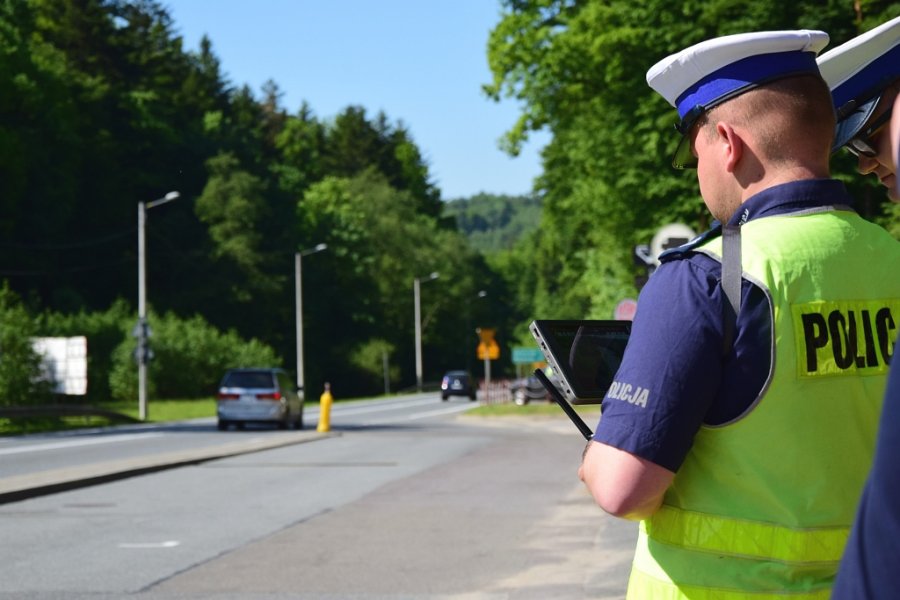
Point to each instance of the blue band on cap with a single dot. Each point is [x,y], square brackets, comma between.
[880,71]
[743,73]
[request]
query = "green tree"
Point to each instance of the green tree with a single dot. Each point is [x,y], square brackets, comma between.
[492,222]
[301,146]
[233,206]
[361,289]
[97,113]
[578,68]
[371,356]
[101,107]
[354,144]
[21,381]
[190,356]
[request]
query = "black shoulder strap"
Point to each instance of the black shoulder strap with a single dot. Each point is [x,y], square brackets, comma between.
[732,269]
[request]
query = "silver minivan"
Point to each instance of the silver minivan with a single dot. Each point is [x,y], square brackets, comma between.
[258,395]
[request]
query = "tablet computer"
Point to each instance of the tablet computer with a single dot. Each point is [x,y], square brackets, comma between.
[584,355]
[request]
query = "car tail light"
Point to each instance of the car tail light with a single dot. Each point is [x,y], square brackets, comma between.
[269,396]
[223,396]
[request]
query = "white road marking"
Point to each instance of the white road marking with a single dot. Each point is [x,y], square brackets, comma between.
[108,439]
[380,406]
[425,415]
[167,544]
[443,411]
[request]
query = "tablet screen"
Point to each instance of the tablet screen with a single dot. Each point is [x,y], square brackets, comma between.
[586,354]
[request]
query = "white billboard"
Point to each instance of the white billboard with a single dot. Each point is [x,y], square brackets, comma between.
[65,362]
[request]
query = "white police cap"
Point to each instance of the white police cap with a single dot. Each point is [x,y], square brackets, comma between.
[706,74]
[857,72]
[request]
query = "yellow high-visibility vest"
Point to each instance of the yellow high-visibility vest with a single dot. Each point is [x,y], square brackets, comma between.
[762,506]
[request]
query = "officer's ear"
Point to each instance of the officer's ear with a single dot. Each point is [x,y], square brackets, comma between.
[731,144]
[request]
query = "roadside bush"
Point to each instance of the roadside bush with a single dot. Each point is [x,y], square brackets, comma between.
[369,358]
[104,332]
[190,357]
[20,365]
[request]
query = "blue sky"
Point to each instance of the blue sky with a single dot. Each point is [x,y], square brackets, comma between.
[422,62]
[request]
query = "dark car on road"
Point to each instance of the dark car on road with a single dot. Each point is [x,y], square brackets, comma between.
[457,383]
[260,395]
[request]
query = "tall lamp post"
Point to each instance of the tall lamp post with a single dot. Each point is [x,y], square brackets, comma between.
[142,328]
[416,282]
[298,294]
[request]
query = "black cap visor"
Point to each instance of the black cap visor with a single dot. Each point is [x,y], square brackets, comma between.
[683,157]
[851,124]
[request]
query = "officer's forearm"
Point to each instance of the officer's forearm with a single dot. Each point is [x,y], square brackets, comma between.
[622,484]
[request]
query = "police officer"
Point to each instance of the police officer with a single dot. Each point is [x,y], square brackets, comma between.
[759,350]
[864,77]
[864,74]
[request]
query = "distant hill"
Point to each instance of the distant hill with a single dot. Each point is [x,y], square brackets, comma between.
[493,223]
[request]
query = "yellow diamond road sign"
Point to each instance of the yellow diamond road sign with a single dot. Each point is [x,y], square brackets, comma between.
[488,348]
[490,351]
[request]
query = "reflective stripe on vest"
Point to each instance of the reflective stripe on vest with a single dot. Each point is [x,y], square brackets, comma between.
[712,566]
[739,537]
[661,590]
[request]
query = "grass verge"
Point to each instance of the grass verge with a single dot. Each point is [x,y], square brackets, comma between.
[157,411]
[169,410]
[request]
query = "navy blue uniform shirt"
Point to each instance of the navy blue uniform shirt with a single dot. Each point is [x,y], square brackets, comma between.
[675,376]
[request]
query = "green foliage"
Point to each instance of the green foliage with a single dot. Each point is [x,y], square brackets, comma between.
[190,357]
[891,220]
[370,358]
[233,206]
[20,366]
[493,223]
[104,331]
[578,67]
[190,354]
[132,116]
[378,243]
[353,144]
[301,144]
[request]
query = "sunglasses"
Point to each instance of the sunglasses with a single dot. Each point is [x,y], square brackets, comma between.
[861,144]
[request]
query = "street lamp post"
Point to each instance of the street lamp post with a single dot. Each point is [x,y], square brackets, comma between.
[416,282]
[142,329]
[298,295]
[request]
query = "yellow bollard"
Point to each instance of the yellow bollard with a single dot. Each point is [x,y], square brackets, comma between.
[325,401]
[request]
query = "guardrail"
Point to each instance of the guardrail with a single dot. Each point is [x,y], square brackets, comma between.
[63,410]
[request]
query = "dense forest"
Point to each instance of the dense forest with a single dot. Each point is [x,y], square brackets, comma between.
[578,69]
[102,108]
[495,223]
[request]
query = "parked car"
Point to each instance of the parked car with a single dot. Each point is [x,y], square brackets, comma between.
[457,383]
[258,395]
[529,389]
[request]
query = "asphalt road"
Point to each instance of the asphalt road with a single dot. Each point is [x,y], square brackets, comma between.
[48,463]
[425,503]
